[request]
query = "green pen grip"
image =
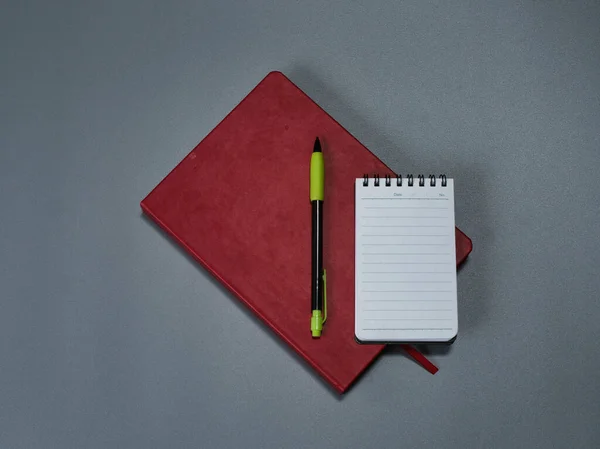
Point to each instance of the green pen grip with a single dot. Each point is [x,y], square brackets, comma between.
[317,177]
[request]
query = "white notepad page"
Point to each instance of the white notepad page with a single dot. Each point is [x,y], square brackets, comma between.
[405,261]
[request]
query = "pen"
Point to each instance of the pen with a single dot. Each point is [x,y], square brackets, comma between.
[318,281]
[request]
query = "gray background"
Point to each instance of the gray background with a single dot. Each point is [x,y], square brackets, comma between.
[111,337]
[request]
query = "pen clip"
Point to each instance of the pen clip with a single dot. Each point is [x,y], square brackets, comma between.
[324,296]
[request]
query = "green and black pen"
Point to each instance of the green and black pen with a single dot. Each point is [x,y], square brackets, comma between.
[318,280]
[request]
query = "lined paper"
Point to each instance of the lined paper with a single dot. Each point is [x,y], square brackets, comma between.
[405,262]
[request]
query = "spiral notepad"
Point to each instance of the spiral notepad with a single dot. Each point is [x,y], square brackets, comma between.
[405,259]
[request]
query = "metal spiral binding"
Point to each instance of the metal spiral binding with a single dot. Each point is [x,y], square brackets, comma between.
[410,180]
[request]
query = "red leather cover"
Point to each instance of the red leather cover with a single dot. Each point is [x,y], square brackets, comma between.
[239,204]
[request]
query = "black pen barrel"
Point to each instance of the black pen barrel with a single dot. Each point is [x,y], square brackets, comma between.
[317,256]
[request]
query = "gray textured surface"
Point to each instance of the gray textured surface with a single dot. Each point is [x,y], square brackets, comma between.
[111,337]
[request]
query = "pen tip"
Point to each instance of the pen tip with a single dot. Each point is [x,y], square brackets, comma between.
[317,147]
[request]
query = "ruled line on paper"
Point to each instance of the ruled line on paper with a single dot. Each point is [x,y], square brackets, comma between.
[404,235]
[406,282]
[407,310]
[407,272]
[404,198]
[407,319]
[405,217]
[403,263]
[407,329]
[404,207]
[407,291]
[407,300]
[403,226]
[405,244]
[405,254]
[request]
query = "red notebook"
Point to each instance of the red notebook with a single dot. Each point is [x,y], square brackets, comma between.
[239,204]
